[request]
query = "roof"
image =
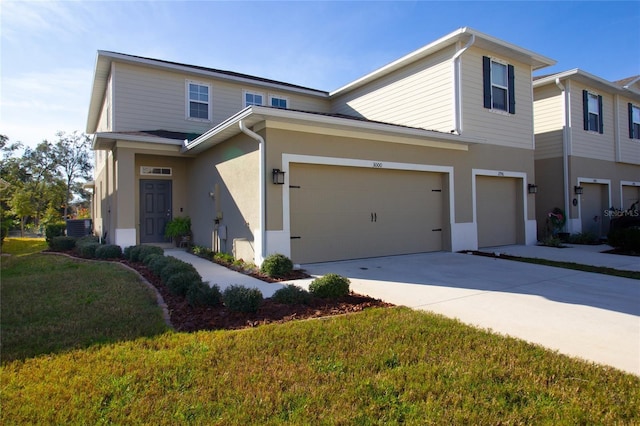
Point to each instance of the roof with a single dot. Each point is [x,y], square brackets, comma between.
[462,35]
[358,127]
[628,81]
[588,79]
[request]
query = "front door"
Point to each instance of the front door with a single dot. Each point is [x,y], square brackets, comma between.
[155,209]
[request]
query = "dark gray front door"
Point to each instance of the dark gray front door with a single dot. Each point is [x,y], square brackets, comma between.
[155,209]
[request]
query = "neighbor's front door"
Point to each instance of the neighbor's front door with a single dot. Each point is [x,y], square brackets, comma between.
[155,209]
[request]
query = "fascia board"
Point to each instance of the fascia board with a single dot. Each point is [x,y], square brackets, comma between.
[584,77]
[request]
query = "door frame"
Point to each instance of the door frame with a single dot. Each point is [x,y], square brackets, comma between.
[141,204]
[582,180]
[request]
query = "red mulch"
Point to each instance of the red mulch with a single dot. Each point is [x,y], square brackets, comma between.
[187,318]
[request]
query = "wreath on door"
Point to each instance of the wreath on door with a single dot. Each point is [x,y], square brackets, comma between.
[557,218]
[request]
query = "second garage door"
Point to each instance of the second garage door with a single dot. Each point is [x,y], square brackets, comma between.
[498,211]
[340,213]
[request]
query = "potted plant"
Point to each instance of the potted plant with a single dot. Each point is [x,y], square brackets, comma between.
[179,229]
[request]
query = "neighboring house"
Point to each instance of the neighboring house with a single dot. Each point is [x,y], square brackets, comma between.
[431,152]
[587,153]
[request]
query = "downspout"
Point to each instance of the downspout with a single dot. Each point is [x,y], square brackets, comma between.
[457,90]
[565,150]
[262,183]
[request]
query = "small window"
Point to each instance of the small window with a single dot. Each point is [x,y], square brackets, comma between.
[155,171]
[279,102]
[198,105]
[499,85]
[253,98]
[592,105]
[634,121]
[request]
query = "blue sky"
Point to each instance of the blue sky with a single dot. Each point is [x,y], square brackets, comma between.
[48,49]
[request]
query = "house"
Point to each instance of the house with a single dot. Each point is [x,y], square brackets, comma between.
[434,151]
[587,157]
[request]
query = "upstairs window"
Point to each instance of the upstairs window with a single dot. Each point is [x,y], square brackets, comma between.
[278,102]
[253,98]
[499,85]
[592,109]
[634,121]
[198,105]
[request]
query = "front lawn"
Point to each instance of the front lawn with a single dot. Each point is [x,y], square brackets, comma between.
[379,366]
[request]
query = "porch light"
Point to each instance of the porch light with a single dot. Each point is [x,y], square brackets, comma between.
[532,188]
[578,190]
[278,177]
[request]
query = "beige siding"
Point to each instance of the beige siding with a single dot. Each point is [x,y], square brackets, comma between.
[150,99]
[104,122]
[586,143]
[497,128]
[629,148]
[418,95]
[548,121]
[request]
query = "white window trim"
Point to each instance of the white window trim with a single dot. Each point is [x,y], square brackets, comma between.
[505,88]
[592,93]
[251,92]
[635,107]
[187,100]
[286,99]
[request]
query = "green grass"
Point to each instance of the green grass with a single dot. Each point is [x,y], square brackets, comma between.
[23,246]
[52,303]
[378,367]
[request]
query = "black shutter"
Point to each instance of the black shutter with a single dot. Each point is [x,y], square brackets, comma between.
[486,80]
[600,115]
[512,89]
[585,108]
[630,108]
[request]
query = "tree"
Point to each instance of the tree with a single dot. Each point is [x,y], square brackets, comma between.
[73,158]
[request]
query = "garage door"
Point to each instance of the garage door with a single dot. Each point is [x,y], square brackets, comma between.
[497,211]
[630,195]
[340,213]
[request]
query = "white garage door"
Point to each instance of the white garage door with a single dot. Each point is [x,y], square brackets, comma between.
[497,211]
[342,213]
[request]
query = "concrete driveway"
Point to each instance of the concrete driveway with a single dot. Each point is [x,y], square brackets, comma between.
[592,316]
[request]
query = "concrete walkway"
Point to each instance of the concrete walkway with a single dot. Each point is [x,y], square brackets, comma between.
[216,274]
[591,316]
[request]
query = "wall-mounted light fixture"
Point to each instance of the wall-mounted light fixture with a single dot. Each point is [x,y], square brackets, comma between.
[212,194]
[278,177]
[578,190]
[532,188]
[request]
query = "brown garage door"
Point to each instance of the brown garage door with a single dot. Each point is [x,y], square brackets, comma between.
[497,210]
[342,213]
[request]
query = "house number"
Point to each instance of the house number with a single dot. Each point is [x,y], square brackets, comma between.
[377,165]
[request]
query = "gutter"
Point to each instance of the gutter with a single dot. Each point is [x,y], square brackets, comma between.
[566,143]
[457,90]
[259,257]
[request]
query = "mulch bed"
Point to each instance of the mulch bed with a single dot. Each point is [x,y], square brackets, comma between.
[188,318]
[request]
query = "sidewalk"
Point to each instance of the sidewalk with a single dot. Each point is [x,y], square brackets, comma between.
[576,253]
[216,274]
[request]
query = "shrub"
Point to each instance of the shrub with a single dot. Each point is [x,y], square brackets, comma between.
[583,238]
[54,230]
[87,250]
[108,251]
[175,266]
[277,265]
[200,251]
[202,294]
[140,252]
[126,253]
[178,227]
[223,257]
[242,299]
[62,243]
[180,282]
[625,239]
[330,286]
[156,263]
[87,239]
[291,294]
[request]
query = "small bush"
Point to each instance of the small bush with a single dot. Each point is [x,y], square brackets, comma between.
[583,238]
[277,266]
[204,295]
[156,263]
[139,253]
[108,251]
[126,253]
[330,286]
[291,295]
[87,239]
[54,230]
[62,243]
[175,266]
[625,239]
[239,298]
[180,282]
[87,250]
[204,252]
[223,257]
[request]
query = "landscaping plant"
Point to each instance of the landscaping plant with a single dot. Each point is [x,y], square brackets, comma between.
[291,294]
[277,266]
[330,286]
[242,299]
